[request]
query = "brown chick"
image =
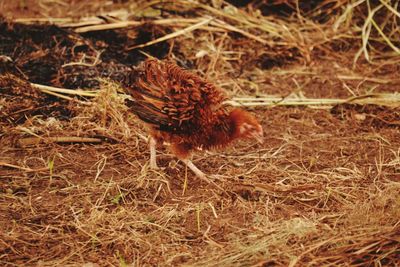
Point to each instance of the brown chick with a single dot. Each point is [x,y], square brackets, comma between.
[186,111]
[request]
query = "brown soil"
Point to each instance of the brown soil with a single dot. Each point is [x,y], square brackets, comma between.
[323,189]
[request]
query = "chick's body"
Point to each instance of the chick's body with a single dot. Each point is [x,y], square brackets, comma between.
[186,111]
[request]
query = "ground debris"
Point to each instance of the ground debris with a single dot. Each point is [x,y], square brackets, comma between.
[369,115]
[75,186]
[49,55]
[19,101]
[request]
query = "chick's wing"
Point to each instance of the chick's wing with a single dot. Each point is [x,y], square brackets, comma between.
[172,99]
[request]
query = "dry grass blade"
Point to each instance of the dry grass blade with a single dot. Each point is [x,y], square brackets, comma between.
[59,91]
[221,24]
[174,34]
[100,26]
[392,9]
[109,26]
[59,139]
[5,164]
[378,99]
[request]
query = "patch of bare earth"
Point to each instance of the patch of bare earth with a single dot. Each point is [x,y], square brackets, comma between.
[75,186]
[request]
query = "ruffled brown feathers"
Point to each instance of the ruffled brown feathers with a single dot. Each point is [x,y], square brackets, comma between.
[173,100]
[186,110]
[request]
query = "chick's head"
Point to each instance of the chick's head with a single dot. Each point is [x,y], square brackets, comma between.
[246,125]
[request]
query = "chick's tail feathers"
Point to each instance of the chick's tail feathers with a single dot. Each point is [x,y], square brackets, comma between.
[159,98]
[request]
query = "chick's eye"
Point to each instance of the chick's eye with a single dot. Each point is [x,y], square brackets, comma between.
[245,127]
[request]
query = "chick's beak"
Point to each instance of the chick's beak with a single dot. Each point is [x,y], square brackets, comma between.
[259,136]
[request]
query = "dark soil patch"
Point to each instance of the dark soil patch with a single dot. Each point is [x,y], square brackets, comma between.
[49,55]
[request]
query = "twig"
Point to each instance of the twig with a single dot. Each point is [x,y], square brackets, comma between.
[53,89]
[5,164]
[174,34]
[110,26]
[82,63]
[29,141]
[222,24]
[378,99]
[371,79]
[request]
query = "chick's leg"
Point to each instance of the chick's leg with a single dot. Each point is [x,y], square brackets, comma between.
[153,160]
[182,152]
[196,170]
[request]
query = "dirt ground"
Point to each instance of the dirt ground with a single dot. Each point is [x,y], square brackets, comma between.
[75,188]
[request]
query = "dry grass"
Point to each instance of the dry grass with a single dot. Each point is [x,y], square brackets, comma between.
[323,190]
